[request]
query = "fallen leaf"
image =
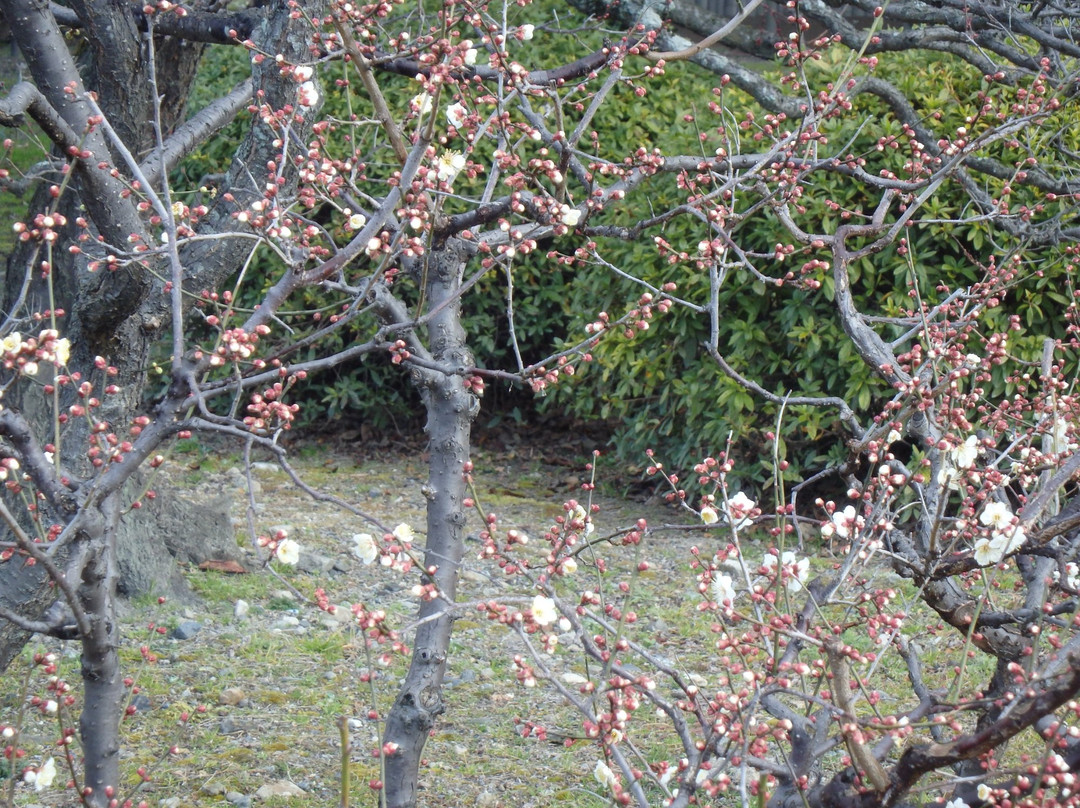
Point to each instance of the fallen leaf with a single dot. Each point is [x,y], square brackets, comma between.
[228,566]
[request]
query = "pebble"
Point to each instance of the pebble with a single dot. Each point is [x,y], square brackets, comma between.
[237,479]
[314,562]
[170,802]
[241,608]
[229,727]
[213,788]
[264,466]
[186,630]
[238,799]
[282,788]
[231,696]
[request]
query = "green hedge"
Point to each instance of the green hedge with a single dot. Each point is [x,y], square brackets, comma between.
[661,390]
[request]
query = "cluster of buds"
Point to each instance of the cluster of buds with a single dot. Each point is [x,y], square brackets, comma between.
[164,6]
[237,344]
[24,355]
[43,228]
[267,409]
[398,352]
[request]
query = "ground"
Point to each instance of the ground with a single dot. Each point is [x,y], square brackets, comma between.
[275,679]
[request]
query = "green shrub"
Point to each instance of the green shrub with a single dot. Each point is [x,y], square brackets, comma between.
[662,390]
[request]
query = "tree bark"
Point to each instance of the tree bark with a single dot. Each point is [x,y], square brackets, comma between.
[120,315]
[450,411]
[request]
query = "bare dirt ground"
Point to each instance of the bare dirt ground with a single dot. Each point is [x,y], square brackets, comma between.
[274,673]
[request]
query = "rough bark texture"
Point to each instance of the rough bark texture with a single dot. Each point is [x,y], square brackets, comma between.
[120,315]
[450,411]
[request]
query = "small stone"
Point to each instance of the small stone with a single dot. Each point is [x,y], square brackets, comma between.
[287,621]
[486,799]
[186,630]
[282,594]
[231,696]
[241,608]
[141,703]
[213,788]
[238,799]
[170,802]
[487,673]
[342,613]
[229,727]
[237,479]
[264,466]
[282,788]
[314,562]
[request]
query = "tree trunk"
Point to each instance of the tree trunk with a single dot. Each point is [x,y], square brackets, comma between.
[117,314]
[450,411]
[103,681]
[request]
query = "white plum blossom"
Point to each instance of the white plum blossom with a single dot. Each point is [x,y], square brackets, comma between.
[738,509]
[43,777]
[527,31]
[357,221]
[996,515]
[709,515]
[579,515]
[1072,573]
[543,611]
[954,461]
[798,569]
[602,774]
[985,553]
[404,533]
[845,524]
[1010,541]
[470,56]
[966,453]
[992,550]
[984,792]
[12,342]
[456,114]
[288,552]
[957,803]
[62,351]
[421,104]
[309,94]
[569,216]
[1059,437]
[303,72]
[449,165]
[723,589]
[364,547]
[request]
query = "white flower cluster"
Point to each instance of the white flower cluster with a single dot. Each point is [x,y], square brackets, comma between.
[793,571]
[42,777]
[737,511]
[1006,535]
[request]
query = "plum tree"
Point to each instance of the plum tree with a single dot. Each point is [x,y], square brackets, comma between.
[395,156]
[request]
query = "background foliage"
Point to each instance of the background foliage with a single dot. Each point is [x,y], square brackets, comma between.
[667,393]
